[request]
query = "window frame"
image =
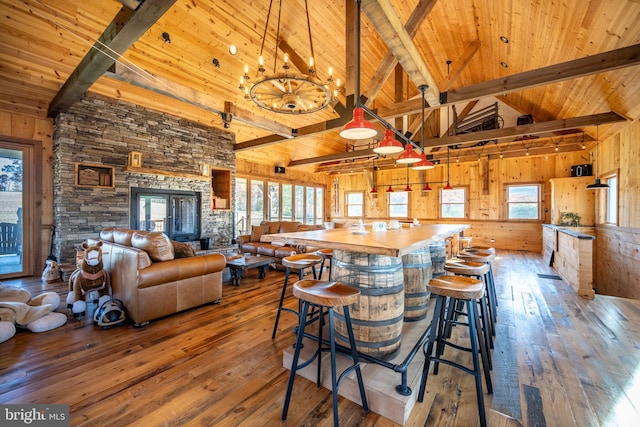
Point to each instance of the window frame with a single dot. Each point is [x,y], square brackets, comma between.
[286,194]
[507,203]
[347,204]
[169,196]
[606,194]
[407,204]
[465,204]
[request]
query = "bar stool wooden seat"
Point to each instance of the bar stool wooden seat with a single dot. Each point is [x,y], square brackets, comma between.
[301,262]
[473,249]
[325,295]
[325,254]
[466,290]
[479,271]
[486,256]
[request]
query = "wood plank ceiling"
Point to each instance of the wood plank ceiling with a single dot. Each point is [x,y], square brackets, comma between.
[42,42]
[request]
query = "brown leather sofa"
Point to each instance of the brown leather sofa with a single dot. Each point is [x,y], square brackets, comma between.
[154,276]
[250,243]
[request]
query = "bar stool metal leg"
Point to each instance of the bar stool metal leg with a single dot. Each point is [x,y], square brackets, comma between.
[280,308]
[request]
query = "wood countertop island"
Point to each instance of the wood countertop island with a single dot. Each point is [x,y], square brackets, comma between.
[395,243]
[373,263]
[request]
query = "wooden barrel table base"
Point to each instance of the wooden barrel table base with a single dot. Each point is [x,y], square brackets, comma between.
[377,319]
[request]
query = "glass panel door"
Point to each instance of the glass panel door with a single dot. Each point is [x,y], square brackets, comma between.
[287,202]
[240,207]
[273,211]
[174,213]
[11,211]
[299,203]
[257,202]
[152,211]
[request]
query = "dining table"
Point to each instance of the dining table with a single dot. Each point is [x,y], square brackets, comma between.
[370,258]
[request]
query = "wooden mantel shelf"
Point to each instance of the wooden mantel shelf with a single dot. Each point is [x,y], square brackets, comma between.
[150,171]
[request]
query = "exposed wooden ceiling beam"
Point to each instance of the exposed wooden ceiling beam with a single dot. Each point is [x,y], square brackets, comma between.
[119,35]
[497,134]
[419,14]
[606,61]
[576,68]
[458,66]
[599,63]
[334,157]
[530,129]
[388,25]
[199,99]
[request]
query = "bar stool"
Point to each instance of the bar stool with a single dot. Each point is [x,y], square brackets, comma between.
[325,254]
[486,256]
[299,261]
[476,270]
[463,242]
[466,290]
[325,294]
[448,241]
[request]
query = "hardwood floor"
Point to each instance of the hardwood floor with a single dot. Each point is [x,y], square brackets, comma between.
[559,360]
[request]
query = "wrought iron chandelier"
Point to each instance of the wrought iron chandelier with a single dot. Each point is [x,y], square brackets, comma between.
[285,91]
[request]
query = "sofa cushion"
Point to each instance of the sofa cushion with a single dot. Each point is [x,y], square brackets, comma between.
[156,244]
[288,226]
[284,251]
[250,247]
[182,250]
[106,235]
[274,226]
[267,250]
[123,237]
[257,231]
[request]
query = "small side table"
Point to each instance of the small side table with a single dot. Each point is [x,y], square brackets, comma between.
[237,267]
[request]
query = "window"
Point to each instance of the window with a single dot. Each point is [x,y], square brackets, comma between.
[355,204]
[523,201]
[310,205]
[319,206]
[398,204]
[453,203]
[174,213]
[240,206]
[287,202]
[299,203]
[257,202]
[612,200]
[273,211]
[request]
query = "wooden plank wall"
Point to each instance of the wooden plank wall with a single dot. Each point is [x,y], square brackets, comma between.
[486,208]
[41,130]
[618,247]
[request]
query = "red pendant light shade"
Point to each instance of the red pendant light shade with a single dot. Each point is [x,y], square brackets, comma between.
[389,190]
[426,187]
[423,164]
[448,186]
[408,156]
[358,128]
[408,188]
[389,145]
[374,190]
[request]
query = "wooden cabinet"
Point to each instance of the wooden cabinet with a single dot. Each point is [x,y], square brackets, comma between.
[571,195]
[220,188]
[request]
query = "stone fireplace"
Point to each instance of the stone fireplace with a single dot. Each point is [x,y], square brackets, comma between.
[102,131]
